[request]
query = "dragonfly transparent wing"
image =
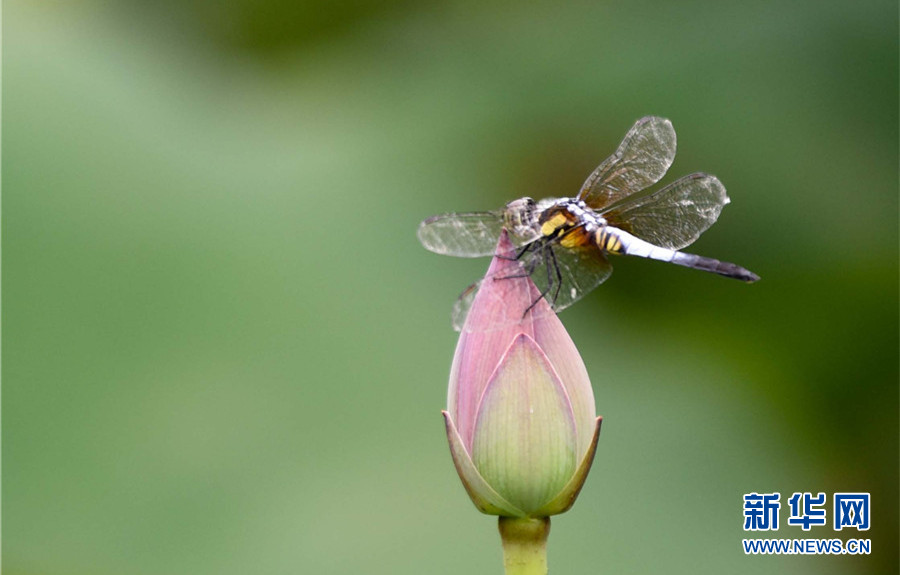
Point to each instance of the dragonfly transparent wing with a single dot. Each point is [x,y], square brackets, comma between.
[502,314]
[563,275]
[462,305]
[675,216]
[466,235]
[642,158]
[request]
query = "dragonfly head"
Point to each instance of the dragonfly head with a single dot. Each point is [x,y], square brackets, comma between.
[520,217]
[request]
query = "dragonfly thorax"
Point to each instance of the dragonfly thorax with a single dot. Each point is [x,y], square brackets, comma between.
[567,215]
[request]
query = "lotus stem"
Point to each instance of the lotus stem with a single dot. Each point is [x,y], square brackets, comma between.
[525,545]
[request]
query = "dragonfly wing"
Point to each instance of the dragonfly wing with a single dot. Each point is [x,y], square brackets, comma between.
[642,158]
[462,305]
[468,235]
[565,275]
[675,216]
[502,312]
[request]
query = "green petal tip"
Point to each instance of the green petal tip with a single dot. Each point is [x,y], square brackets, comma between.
[482,495]
[566,498]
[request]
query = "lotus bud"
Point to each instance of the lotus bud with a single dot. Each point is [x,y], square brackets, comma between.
[520,418]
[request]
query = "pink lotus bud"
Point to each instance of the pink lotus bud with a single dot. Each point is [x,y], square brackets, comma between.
[520,418]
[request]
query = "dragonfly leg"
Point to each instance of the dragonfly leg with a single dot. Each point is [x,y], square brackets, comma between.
[535,302]
[518,255]
[547,260]
[559,279]
[523,274]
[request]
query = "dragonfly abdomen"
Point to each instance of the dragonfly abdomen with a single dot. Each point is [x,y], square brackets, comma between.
[607,240]
[614,240]
[726,269]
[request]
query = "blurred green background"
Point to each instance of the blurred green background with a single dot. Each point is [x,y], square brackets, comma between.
[225,351]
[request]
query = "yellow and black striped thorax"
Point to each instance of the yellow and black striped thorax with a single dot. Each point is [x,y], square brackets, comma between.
[563,225]
[573,224]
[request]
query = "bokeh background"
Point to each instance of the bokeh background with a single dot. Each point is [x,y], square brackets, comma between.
[225,351]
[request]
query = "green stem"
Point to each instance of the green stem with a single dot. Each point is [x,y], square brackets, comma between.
[524,545]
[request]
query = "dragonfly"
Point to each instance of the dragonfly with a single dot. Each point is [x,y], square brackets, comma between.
[563,244]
